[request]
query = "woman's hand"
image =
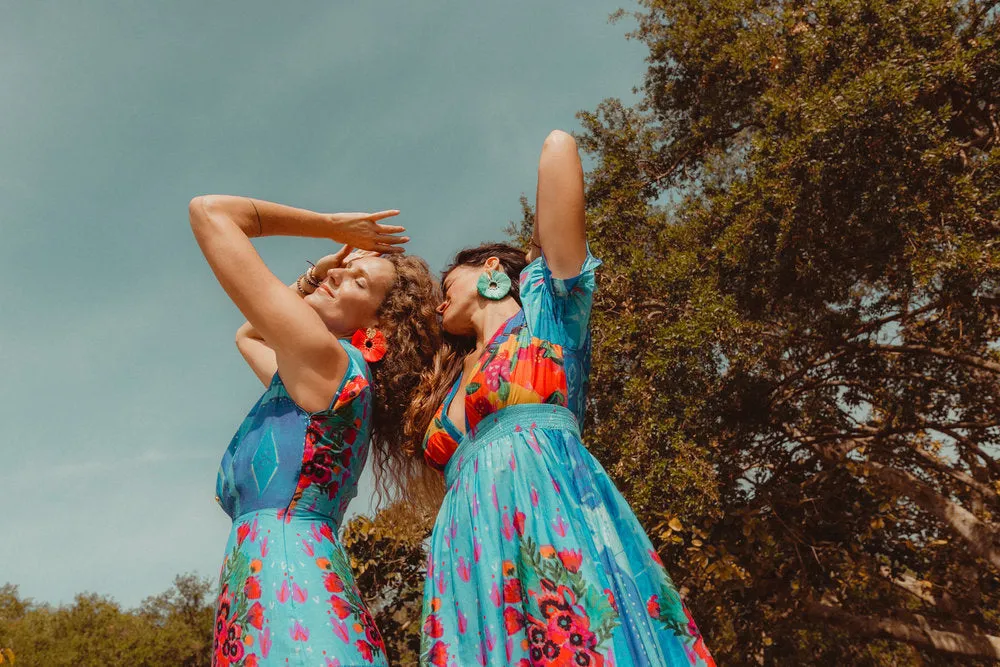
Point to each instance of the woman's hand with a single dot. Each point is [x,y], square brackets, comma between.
[364,231]
[338,260]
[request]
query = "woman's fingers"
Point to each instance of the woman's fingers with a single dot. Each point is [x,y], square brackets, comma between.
[390,229]
[381,215]
[387,249]
[343,253]
[395,240]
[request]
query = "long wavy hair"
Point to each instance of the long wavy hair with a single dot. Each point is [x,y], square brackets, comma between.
[446,365]
[412,327]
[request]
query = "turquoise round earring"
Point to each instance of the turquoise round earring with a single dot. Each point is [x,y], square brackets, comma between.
[493,285]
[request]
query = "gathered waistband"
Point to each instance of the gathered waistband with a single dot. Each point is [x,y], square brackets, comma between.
[530,415]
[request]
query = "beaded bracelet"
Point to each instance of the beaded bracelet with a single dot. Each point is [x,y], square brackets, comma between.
[298,286]
[310,278]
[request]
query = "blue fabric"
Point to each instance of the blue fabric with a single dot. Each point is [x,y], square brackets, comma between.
[287,595]
[535,557]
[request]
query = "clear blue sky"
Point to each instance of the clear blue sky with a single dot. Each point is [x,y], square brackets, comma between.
[122,386]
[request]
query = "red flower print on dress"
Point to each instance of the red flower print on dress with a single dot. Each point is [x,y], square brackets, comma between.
[699,644]
[433,627]
[519,522]
[241,532]
[252,588]
[340,607]
[352,389]
[439,654]
[365,649]
[256,615]
[512,591]
[513,620]
[571,559]
[372,634]
[333,582]
[229,647]
[319,467]
[653,606]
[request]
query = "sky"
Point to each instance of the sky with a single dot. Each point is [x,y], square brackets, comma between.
[122,385]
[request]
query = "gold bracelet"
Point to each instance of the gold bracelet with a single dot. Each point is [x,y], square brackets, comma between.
[298,286]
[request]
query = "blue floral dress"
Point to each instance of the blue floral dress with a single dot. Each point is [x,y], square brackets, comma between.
[535,558]
[286,592]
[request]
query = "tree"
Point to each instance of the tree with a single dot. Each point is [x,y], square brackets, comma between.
[389,561]
[797,369]
[174,628]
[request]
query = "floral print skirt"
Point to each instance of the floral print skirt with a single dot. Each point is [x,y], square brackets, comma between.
[287,597]
[536,559]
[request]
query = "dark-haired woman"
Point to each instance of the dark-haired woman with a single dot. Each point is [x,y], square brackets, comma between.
[340,353]
[535,557]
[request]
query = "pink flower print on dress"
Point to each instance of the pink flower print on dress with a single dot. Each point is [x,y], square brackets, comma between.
[265,642]
[298,633]
[497,371]
[340,629]
[508,527]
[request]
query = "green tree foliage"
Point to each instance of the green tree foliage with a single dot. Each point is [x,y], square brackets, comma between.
[174,628]
[797,369]
[389,561]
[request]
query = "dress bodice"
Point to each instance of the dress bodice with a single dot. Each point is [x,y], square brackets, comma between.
[540,355]
[283,457]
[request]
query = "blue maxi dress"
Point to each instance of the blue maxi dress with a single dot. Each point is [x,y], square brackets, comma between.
[287,595]
[536,558]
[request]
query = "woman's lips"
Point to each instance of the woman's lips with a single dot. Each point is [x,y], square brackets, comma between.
[326,288]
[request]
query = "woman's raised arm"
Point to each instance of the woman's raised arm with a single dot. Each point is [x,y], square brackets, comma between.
[560,221]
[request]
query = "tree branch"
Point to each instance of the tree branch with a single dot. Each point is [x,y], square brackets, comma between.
[980,538]
[968,642]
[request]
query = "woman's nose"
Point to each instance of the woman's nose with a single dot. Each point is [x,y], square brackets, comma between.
[335,275]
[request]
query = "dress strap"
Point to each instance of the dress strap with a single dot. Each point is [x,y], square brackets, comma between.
[525,415]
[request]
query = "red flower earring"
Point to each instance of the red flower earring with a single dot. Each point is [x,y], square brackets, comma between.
[371,342]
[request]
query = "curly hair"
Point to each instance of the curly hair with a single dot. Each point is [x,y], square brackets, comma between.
[442,371]
[412,328]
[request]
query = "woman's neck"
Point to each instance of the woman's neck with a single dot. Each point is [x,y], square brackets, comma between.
[489,318]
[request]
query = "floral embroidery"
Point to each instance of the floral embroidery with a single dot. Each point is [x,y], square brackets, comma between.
[330,436]
[346,603]
[565,620]
[233,611]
